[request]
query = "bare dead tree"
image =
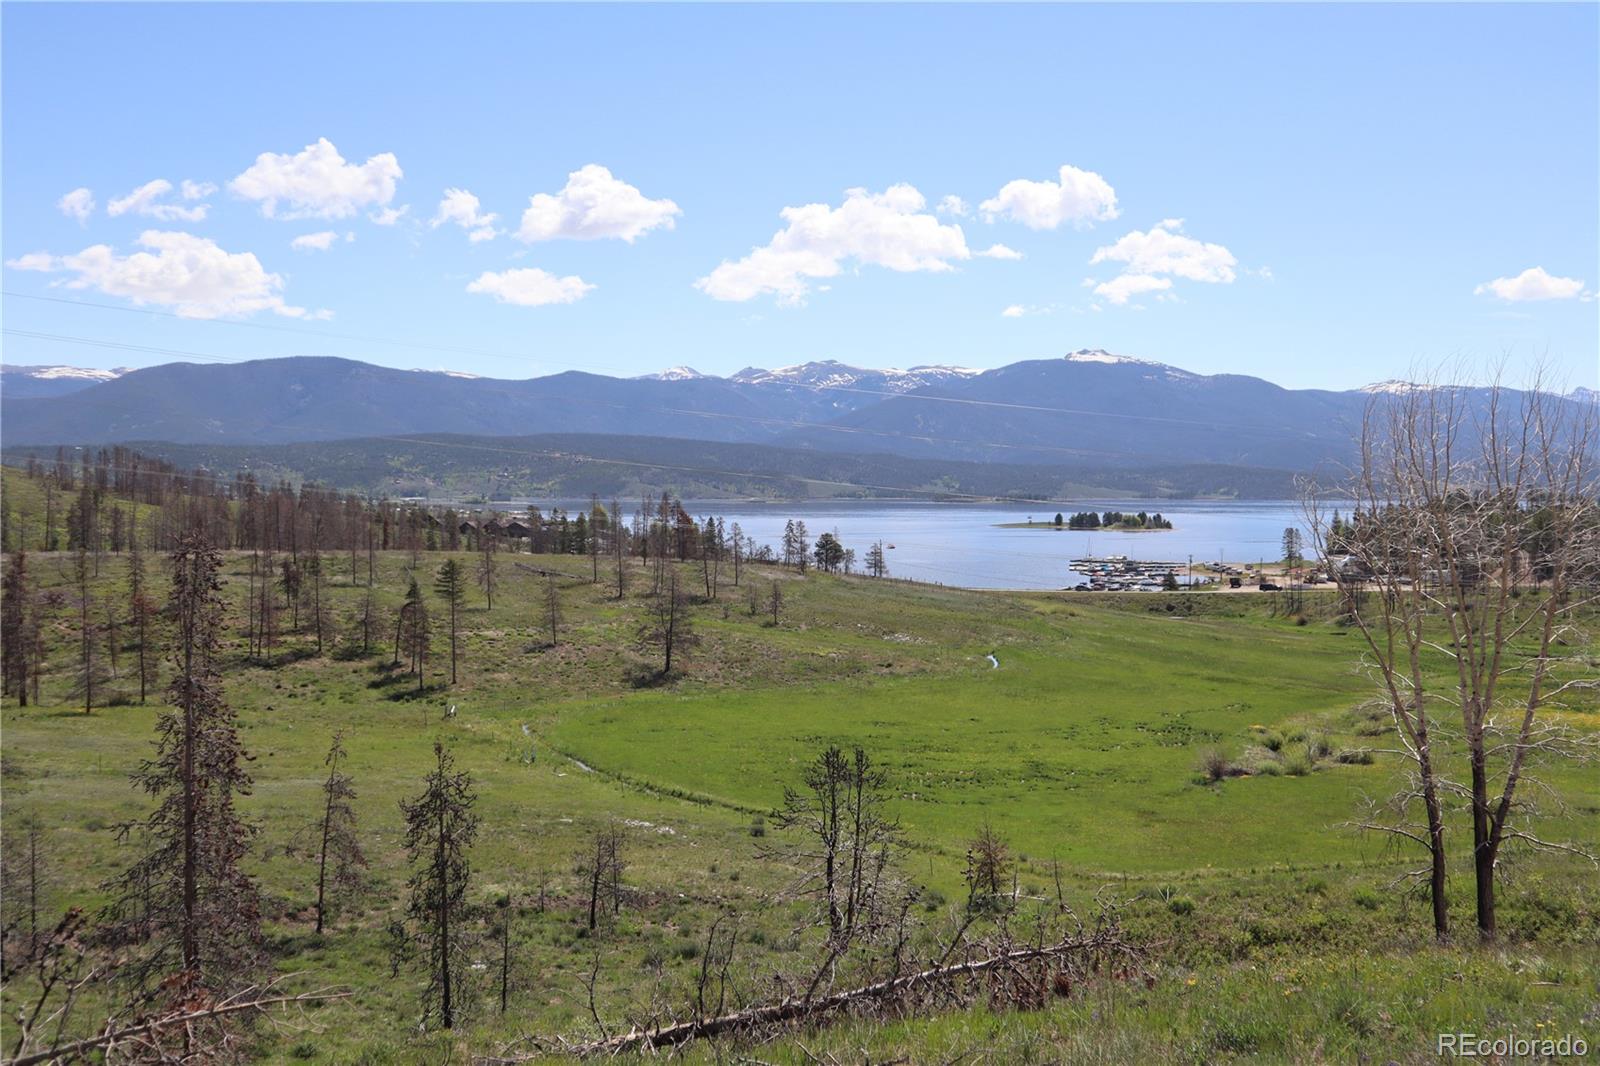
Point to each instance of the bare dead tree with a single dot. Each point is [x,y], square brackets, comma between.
[619,547]
[340,860]
[142,614]
[847,842]
[91,676]
[488,567]
[667,625]
[505,917]
[316,603]
[601,865]
[1476,526]
[597,518]
[450,583]
[24,881]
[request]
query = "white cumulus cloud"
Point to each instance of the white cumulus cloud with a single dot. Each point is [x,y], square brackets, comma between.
[889,229]
[146,200]
[1022,310]
[1153,257]
[592,206]
[196,190]
[1165,249]
[1081,198]
[530,287]
[998,251]
[1120,289]
[462,208]
[314,242]
[954,205]
[191,275]
[317,183]
[1532,284]
[78,204]
[43,262]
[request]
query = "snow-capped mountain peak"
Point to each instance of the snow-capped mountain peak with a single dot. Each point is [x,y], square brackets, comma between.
[832,374]
[34,382]
[1394,386]
[1103,357]
[820,373]
[675,373]
[67,373]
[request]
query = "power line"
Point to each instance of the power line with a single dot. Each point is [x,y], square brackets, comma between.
[330,334]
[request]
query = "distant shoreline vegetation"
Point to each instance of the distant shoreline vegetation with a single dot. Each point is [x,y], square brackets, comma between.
[1109,521]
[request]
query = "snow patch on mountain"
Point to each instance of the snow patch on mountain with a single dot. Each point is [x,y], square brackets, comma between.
[675,373]
[832,374]
[1100,355]
[1393,387]
[67,373]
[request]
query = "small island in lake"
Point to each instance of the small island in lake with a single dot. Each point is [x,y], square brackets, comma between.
[1111,521]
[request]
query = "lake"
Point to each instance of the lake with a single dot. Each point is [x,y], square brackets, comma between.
[960,544]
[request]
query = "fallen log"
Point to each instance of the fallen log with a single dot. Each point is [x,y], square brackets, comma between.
[112,1037]
[799,1008]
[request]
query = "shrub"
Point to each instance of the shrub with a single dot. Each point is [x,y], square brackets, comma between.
[1270,768]
[1180,905]
[1366,898]
[1354,756]
[758,826]
[1298,765]
[1272,742]
[1215,765]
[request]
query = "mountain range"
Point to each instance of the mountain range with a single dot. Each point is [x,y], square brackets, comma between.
[1090,408]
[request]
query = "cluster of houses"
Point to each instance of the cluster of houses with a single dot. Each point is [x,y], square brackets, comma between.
[496,527]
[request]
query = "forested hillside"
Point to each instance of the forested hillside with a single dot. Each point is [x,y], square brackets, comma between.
[568,465]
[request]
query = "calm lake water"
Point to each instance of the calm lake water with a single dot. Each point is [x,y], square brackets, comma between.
[960,544]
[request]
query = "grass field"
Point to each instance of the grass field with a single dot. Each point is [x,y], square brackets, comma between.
[1276,935]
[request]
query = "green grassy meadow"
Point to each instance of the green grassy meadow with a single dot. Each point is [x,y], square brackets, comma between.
[1082,749]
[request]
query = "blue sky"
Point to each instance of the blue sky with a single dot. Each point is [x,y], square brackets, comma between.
[1321,195]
